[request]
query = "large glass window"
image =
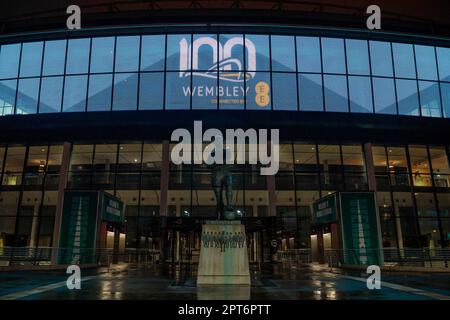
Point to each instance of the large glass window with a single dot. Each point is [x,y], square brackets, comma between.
[357,57]
[360,94]
[151,92]
[75,89]
[404,65]
[153,53]
[407,97]
[384,95]
[284,94]
[308,54]
[125,91]
[261,45]
[100,90]
[381,58]
[333,55]
[178,52]
[336,98]
[258,92]
[430,102]
[102,55]
[9,60]
[443,55]
[283,53]
[310,92]
[178,91]
[54,57]
[78,56]
[127,54]
[7,96]
[445,90]
[426,62]
[31,61]
[51,95]
[27,97]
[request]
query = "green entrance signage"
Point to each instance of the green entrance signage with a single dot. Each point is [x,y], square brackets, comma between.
[324,210]
[113,208]
[78,228]
[360,228]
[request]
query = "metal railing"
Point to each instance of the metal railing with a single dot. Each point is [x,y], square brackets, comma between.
[294,255]
[26,256]
[408,257]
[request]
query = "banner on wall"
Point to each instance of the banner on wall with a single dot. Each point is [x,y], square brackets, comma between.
[361,237]
[324,210]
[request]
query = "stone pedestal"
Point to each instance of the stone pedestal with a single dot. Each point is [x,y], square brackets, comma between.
[223,254]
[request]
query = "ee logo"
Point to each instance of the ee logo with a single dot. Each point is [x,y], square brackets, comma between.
[262,98]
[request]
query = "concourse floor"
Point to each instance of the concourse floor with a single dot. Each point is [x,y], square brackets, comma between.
[165,282]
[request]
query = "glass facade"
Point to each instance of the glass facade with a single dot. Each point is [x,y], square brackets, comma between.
[224,71]
[412,183]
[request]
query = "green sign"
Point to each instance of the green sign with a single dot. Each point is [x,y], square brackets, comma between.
[360,228]
[113,208]
[78,228]
[324,210]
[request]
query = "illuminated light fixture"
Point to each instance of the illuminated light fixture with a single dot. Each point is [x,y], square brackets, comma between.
[135,160]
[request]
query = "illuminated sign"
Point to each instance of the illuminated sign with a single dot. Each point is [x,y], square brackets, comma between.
[221,73]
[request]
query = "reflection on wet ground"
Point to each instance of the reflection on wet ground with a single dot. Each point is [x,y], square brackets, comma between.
[287,282]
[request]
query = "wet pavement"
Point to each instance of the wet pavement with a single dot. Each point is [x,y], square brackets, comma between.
[156,282]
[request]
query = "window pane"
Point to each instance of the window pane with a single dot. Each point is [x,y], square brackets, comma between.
[360,94]
[78,56]
[384,94]
[15,159]
[329,158]
[445,90]
[310,92]
[426,62]
[51,95]
[152,53]
[102,54]
[439,160]
[75,88]
[407,97]
[429,99]
[178,52]
[308,54]
[336,98]
[127,54]
[7,96]
[54,57]
[81,157]
[259,92]
[333,55]
[231,97]
[443,56]
[233,48]
[151,93]
[419,159]
[178,91]
[30,65]
[261,45]
[353,158]
[27,96]
[381,58]
[9,60]
[130,157]
[404,60]
[100,92]
[284,93]
[125,91]
[357,57]
[283,53]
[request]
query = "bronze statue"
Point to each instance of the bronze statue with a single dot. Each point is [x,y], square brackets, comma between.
[221,177]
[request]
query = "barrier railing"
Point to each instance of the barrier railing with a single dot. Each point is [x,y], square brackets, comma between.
[10,256]
[410,257]
[294,255]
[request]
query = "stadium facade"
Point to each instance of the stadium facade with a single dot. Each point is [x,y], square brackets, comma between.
[93,111]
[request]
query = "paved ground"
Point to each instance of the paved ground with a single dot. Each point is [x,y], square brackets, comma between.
[156,282]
